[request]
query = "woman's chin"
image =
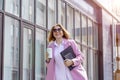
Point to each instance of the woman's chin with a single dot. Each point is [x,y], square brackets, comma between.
[58,37]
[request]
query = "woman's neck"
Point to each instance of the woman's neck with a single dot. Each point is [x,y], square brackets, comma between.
[59,41]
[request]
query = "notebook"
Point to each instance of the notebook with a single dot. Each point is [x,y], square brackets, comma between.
[68,53]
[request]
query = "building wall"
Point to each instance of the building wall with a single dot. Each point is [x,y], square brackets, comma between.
[106,3]
[107,45]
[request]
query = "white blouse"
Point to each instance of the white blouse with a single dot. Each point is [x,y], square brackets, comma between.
[61,71]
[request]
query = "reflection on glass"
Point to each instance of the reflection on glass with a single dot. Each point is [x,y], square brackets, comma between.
[70,20]
[1,4]
[61,12]
[11,49]
[28,10]
[77,26]
[12,6]
[51,13]
[27,54]
[40,55]
[90,34]
[84,30]
[41,12]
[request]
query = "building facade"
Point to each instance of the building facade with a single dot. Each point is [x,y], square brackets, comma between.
[24,27]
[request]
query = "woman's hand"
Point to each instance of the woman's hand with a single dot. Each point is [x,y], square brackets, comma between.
[47,60]
[68,62]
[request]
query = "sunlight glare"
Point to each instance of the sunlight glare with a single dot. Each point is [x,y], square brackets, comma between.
[117,3]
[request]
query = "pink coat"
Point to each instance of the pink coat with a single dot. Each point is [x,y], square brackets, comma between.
[78,73]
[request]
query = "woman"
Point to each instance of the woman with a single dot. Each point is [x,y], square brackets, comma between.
[57,68]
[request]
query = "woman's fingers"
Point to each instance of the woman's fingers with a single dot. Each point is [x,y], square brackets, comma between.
[68,62]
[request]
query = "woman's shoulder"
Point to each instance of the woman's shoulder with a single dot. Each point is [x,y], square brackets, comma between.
[71,40]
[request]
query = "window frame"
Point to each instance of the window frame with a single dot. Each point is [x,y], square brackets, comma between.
[1,46]
[4,18]
[28,26]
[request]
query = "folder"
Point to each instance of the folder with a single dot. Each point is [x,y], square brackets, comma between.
[68,53]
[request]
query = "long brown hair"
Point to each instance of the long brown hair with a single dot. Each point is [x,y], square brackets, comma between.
[65,33]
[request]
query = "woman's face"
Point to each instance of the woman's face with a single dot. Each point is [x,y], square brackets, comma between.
[57,32]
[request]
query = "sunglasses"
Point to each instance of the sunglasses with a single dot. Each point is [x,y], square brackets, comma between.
[58,29]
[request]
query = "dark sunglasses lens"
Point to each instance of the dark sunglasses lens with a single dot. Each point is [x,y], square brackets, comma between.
[55,30]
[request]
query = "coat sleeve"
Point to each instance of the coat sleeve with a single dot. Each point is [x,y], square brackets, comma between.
[79,55]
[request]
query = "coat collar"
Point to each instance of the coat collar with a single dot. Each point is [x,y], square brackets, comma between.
[65,42]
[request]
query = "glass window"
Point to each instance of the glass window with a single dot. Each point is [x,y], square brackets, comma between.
[61,12]
[95,65]
[1,4]
[84,51]
[12,6]
[11,49]
[28,10]
[90,34]
[51,13]
[84,30]
[117,64]
[0,42]
[70,21]
[90,64]
[77,26]
[95,33]
[27,54]
[114,47]
[79,46]
[40,54]
[41,12]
